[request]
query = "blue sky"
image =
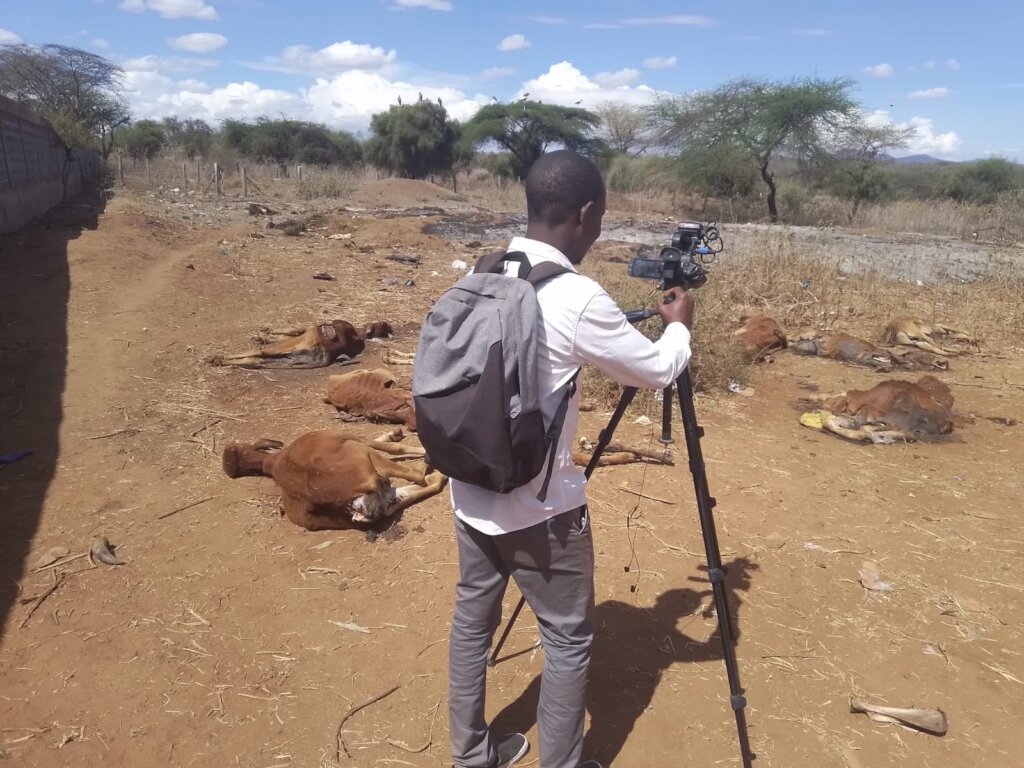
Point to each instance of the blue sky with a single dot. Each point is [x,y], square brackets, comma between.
[956,76]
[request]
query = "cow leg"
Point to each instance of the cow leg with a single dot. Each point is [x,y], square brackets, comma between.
[956,333]
[395,357]
[270,334]
[244,360]
[839,427]
[389,469]
[407,495]
[927,346]
[396,449]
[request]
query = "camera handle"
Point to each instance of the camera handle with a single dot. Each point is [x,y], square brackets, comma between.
[693,432]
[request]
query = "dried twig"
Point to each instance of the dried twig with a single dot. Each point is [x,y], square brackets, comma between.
[187,506]
[341,747]
[645,496]
[41,598]
[430,736]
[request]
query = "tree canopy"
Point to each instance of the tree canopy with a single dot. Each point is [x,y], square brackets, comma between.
[765,119]
[527,128]
[285,141]
[413,141]
[77,91]
[623,128]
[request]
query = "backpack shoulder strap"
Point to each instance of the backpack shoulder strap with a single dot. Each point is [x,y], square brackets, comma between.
[555,429]
[535,275]
[544,271]
[491,262]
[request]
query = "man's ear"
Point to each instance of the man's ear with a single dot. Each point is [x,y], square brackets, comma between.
[587,211]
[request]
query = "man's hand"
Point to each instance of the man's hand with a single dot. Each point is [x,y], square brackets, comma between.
[676,306]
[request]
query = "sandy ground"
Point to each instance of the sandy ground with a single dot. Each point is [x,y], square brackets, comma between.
[227,637]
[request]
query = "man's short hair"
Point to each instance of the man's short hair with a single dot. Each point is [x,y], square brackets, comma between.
[559,184]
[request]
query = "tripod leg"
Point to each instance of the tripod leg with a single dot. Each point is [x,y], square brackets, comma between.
[628,393]
[666,417]
[705,505]
[508,629]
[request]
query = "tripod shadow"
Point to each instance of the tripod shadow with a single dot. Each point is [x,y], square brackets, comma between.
[633,647]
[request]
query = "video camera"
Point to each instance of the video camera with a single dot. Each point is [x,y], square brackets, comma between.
[681,264]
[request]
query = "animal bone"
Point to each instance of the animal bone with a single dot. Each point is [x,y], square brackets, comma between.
[931,721]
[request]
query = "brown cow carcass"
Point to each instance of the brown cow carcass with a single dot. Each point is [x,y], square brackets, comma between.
[850,349]
[333,480]
[890,411]
[316,346]
[759,336]
[373,395]
[914,332]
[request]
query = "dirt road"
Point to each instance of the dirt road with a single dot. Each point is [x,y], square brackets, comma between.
[231,637]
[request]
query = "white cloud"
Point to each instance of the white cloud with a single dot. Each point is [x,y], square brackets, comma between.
[812,32]
[335,58]
[673,21]
[549,20]
[8,38]
[514,43]
[924,139]
[880,71]
[930,93]
[434,5]
[347,100]
[493,73]
[172,9]
[198,42]
[151,63]
[350,99]
[661,62]
[952,64]
[930,64]
[616,79]
[565,84]
[152,95]
[100,43]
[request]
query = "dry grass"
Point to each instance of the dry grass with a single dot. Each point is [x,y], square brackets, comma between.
[770,278]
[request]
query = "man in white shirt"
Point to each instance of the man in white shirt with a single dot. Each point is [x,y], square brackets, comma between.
[546,546]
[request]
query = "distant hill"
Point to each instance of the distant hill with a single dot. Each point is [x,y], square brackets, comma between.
[920,160]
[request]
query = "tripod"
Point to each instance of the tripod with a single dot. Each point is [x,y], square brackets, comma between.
[705,504]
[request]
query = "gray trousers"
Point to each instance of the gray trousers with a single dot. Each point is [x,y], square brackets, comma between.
[553,566]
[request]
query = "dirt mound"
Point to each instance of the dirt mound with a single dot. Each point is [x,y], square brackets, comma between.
[404,193]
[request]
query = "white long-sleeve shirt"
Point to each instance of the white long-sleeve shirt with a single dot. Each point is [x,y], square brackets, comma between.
[582,325]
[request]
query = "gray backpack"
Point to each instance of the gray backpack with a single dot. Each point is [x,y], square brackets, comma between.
[475,385]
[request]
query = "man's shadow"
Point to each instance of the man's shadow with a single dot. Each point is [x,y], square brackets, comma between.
[633,647]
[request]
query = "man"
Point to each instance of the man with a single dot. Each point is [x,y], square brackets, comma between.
[546,546]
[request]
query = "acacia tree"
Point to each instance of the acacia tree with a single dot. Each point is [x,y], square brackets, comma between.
[623,128]
[285,141]
[192,137]
[413,141]
[856,174]
[722,170]
[765,119]
[527,128]
[77,91]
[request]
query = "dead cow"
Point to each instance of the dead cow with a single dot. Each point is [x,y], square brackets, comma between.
[374,395]
[760,335]
[914,332]
[850,349]
[316,346]
[333,480]
[617,454]
[888,412]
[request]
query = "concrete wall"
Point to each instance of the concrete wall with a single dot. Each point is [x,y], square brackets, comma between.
[31,159]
